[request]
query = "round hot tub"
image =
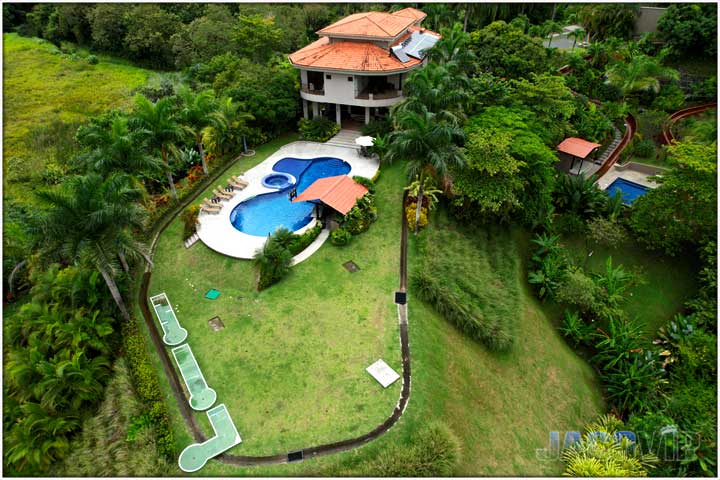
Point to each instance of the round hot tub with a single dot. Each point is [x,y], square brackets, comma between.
[278,180]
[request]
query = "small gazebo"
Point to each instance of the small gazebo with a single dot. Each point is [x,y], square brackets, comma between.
[577,148]
[339,193]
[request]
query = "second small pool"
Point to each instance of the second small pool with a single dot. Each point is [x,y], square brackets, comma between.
[263,214]
[629,191]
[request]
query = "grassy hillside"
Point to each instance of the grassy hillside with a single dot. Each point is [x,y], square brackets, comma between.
[46,95]
[501,406]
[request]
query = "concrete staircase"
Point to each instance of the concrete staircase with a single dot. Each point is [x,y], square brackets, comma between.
[191,241]
[617,138]
[345,138]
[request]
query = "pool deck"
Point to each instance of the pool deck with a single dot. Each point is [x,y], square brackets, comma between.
[217,232]
[634,172]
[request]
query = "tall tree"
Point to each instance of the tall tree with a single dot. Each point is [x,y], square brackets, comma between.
[439,89]
[428,145]
[90,220]
[640,72]
[198,111]
[116,149]
[162,131]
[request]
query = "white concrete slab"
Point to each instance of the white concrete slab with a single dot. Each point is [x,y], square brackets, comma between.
[382,372]
[217,232]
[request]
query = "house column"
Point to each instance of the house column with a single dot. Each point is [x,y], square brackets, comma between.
[367,115]
[316,110]
[306,112]
[338,112]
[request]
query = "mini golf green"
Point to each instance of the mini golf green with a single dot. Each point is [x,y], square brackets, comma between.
[201,396]
[195,456]
[173,333]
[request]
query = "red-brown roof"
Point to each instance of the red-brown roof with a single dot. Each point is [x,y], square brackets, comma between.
[577,147]
[354,56]
[339,192]
[374,24]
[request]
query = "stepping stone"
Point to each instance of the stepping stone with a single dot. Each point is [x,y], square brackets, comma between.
[351,267]
[216,324]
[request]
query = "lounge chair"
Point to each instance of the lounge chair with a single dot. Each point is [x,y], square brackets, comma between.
[210,210]
[235,184]
[222,194]
[239,181]
[207,203]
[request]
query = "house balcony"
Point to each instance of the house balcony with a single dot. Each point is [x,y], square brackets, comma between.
[379,95]
[311,90]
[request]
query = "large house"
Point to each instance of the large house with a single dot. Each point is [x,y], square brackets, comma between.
[360,63]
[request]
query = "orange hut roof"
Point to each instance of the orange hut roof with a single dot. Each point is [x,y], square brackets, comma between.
[339,192]
[577,147]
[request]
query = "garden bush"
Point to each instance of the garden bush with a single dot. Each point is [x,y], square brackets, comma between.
[365,182]
[147,387]
[301,242]
[411,213]
[340,237]
[189,218]
[377,128]
[645,148]
[359,218]
[92,59]
[318,129]
[434,452]
[273,261]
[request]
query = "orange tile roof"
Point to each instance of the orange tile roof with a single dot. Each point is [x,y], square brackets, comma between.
[374,24]
[353,56]
[577,147]
[340,192]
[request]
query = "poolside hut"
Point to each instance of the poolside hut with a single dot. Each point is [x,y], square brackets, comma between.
[340,193]
[577,148]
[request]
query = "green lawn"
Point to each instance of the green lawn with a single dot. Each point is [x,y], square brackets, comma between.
[666,283]
[46,95]
[290,362]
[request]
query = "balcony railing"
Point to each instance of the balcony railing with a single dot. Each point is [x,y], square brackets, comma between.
[385,94]
[314,91]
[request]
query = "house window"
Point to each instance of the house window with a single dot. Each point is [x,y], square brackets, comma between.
[328,76]
[349,79]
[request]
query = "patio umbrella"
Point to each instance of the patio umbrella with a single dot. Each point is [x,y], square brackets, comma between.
[364,141]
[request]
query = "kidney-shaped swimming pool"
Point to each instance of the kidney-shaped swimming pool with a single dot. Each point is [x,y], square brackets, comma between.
[263,214]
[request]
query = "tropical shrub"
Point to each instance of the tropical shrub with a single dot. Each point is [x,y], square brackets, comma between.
[603,453]
[378,128]
[434,452]
[575,328]
[690,29]
[189,217]
[645,148]
[301,242]
[340,237]
[365,182]
[318,129]
[273,260]
[579,195]
[579,290]
[119,440]
[410,214]
[606,232]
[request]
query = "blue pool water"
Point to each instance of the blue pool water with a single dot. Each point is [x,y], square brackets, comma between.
[628,190]
[262,214]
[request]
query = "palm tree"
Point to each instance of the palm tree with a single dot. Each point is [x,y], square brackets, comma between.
[116,149]
[551,27]
[452,47]
[225,133]
[428,145]
[440,15]
[639,73]
[438,89]
[162,131]
[89,220]
[198,111]
[575,34]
